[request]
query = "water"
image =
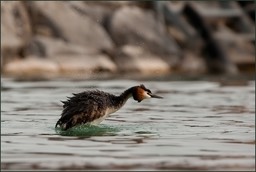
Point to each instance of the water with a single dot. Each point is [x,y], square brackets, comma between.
[198,125]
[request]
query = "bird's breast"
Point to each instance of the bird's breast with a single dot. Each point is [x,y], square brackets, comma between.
[110,110]
[107,113]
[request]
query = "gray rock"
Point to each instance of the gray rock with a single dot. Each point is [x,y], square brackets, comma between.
[135,26]
[84,64]
[59,19]
[31,67]
[43,46]
[71,58]
[97,11]
[59,65]
[131,59]
[192,64]
[15,29]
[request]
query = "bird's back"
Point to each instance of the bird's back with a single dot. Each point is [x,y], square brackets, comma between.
[84,108]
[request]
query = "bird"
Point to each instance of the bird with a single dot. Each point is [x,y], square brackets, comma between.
[93,106]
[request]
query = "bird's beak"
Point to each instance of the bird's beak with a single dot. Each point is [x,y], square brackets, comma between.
[155,96]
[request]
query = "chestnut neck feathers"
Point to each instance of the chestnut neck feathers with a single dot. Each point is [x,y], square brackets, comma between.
[137,92]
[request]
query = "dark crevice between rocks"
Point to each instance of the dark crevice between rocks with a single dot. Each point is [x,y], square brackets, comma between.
[39,20]
[214,55]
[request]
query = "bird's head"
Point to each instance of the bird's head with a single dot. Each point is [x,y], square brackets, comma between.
[141,92]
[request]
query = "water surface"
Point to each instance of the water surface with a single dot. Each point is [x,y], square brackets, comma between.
[198,125]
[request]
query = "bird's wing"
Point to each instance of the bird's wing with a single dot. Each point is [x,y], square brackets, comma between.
[81,109]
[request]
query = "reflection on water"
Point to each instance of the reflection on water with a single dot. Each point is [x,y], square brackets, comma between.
[198,125]
[88,131]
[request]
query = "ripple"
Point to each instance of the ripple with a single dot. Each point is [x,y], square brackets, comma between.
[199,125]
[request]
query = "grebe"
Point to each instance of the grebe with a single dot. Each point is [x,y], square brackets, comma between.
[92,107]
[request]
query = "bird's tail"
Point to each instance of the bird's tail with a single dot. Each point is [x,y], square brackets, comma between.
[58,123]
[65,125]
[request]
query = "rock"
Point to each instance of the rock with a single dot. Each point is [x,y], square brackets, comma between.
[43,46]
[71,59]
[135,59]
[60,20]
[31,67]
[62,65]
[15,29]
[110,4]
[192,64]
[97,11]
[134,26]
[84,64]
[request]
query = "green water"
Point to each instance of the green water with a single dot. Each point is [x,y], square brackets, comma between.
[89,130]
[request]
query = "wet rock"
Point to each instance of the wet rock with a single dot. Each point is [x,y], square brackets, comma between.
[49,19]
[134,26]
[135,59]
[31,66]
[15,29]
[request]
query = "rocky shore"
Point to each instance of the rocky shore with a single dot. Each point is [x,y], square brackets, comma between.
[86,38]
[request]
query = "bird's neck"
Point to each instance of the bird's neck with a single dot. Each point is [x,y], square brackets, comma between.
[122,98]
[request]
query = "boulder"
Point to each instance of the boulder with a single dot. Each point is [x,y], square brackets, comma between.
[97,11]
[130,58]
[192,64]
[84,64]
[15,29]
[59,19]
[135,26]
[61,65]
[71,58]
[31,67]
[43,46]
